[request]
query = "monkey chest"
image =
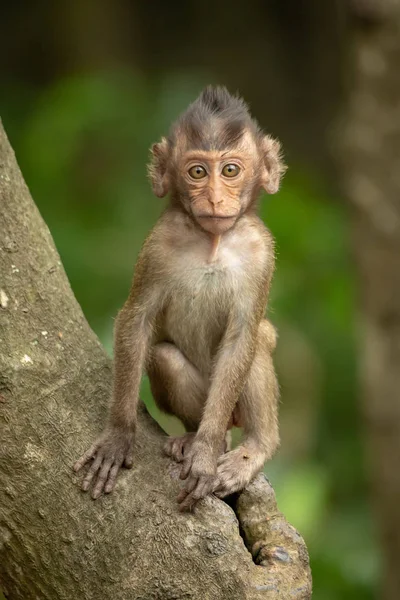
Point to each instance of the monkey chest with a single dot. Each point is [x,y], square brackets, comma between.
[197,313]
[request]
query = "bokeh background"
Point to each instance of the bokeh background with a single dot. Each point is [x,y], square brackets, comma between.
[86,86]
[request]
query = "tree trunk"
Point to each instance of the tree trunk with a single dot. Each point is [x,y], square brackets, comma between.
[55,380]
[371,162]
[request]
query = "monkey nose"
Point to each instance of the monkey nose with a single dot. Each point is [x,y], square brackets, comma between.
[216,199]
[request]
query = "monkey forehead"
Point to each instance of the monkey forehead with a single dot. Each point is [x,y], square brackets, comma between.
[245,148]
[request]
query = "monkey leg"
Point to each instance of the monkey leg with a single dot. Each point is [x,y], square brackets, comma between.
[179,389]
[258,414]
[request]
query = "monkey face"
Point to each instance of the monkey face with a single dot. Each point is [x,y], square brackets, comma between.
[218,185]
[213,184]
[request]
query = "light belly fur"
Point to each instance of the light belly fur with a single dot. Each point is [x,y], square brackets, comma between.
[197,315]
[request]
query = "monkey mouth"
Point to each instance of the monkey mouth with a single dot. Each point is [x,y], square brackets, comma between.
[216,216]
[216,224]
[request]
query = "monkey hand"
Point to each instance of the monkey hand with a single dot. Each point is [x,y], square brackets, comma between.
[109,453]
[178,447]
[199,468]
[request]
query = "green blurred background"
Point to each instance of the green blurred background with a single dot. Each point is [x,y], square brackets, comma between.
[86,88]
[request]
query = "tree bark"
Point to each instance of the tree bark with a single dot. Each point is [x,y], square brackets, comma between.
[371,163]
[55,380]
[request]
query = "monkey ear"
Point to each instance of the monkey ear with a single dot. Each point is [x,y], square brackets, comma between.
[274,166]
[157,168]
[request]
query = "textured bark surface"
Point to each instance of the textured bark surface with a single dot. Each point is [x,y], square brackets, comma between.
[55,542]
[371,162]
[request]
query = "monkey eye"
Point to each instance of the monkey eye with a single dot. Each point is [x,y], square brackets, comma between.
[197,172]
[230,170]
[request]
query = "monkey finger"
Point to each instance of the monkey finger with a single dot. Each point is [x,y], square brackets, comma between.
[101,478]
[128,460]
[112,478]
[186,501]
[191,484]
[226,488]
[185,469]
[225,458]
[88,455]
[187,504]
[189,487]
[191,498]
[203,488]
[182,495]
[92,472]
[168,446]
[224,471]
[177,449]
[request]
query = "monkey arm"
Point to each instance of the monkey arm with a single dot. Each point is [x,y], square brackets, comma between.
[133,332]
[232,366]
[230,375]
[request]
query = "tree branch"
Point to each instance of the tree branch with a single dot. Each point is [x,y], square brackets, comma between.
[55,381]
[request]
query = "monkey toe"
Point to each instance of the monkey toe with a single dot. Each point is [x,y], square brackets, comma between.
[228,486]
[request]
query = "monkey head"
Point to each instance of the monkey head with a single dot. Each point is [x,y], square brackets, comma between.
[215,161]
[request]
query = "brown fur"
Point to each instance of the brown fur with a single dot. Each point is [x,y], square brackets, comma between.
[194,316]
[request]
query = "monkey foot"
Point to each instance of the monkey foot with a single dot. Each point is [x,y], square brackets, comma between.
[177,447]
[236,469]
[273,542]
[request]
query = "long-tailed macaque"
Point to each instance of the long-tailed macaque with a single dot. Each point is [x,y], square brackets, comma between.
[194,318]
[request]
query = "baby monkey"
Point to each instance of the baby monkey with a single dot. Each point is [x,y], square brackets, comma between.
[194,318]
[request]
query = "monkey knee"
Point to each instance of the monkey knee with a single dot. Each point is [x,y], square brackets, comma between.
[160,353]
[168,358]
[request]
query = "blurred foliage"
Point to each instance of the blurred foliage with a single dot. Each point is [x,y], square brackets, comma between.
[82,144]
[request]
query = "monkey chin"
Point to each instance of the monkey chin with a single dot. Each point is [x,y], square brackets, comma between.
[216,225]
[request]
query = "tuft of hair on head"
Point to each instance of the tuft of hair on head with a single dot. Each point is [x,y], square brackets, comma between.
[214,105]
[217,99]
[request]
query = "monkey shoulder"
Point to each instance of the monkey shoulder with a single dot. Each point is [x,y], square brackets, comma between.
[257,229]
[257,242]
[171,232]
[161,239]
[162,249]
